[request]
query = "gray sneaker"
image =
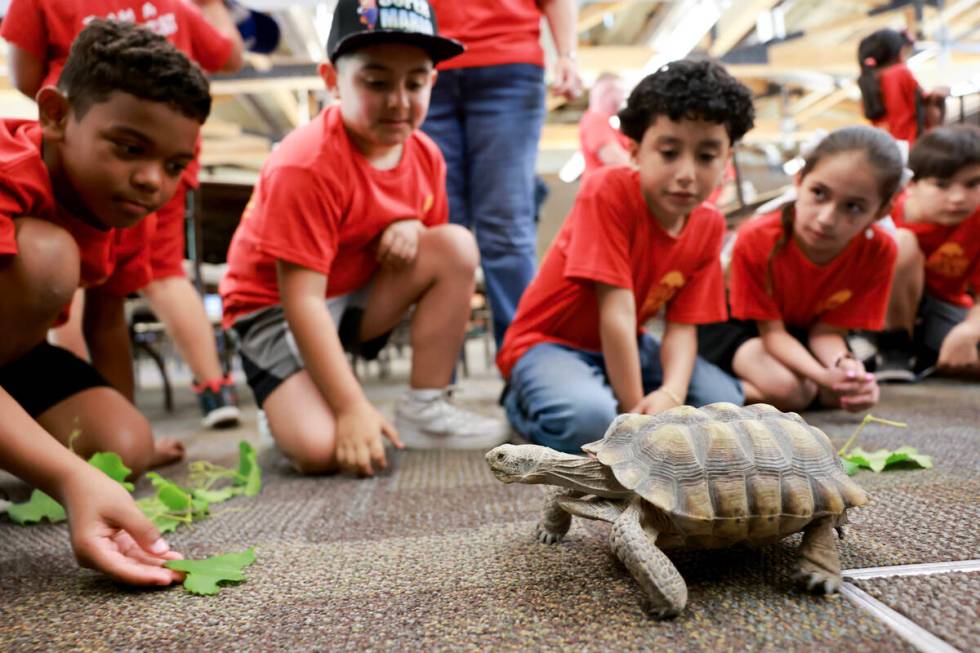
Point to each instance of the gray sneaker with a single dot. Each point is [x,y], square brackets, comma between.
[441,424]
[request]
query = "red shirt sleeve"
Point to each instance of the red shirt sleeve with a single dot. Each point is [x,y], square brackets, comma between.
[599,241]
[300,217]
[24,26]
[702,298]
[749,299]
[208,46]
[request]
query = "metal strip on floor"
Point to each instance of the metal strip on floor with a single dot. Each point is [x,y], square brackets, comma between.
[908,630]
[924,569]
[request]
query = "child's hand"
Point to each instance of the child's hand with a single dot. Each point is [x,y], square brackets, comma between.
[853,387]
[399,244]
[958,352]
[359,446]
[653,403]
[565,81]
[111,535]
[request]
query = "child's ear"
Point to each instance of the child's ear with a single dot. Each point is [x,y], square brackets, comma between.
[633,147]
[53,110]
[328,73]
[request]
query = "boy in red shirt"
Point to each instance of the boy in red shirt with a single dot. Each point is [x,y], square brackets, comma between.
[637,240]
[113,140]
[933,313]
[40,33]
[804,275]
[600,142]
[344,232]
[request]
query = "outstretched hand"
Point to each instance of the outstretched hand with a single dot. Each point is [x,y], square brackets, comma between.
[111,535]
[360,449]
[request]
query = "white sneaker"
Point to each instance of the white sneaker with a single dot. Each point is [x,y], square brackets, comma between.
[433,421]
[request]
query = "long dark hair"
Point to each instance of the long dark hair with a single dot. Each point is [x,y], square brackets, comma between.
[878,50]
[883,155]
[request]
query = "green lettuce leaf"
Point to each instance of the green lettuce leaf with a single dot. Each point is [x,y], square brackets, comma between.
[203,576]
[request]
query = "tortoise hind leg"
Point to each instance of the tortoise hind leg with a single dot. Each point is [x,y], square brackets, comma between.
[819,568]
[555,521]
[652,569]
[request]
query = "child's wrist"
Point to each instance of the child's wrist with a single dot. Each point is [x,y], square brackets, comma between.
[670,394]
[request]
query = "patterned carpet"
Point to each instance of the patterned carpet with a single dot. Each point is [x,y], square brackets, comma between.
[436,555]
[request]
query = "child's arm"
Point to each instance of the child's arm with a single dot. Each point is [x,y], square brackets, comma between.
[26,71]
[216,13]
[562,17]
[791,353]
[677,353]
[617,333]
[359,424]
[108,531]
[107,336]
[959,349]
[859,389]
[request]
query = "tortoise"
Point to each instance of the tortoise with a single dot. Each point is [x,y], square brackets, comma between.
[696,478]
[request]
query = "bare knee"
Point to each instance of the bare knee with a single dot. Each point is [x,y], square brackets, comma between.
[46,268]
[791,393]
[452,246]
[128,435]
[312,451]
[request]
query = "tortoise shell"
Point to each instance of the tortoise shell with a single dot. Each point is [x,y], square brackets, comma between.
[724,473]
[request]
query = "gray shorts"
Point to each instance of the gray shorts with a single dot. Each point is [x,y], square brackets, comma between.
[268,349]
[936,318]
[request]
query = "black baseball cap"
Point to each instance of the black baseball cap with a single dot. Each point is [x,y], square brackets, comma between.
[361,23]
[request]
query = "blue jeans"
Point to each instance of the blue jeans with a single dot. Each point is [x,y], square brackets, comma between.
[560,396]
[487,122]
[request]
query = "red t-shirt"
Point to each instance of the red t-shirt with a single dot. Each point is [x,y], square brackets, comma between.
[952,255]
[850,292]
[319,204]
[47,28]
[611,237]
[898,91]
[26,191]
[594,133]
[494,32]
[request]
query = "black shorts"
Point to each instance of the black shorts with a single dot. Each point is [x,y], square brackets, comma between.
[47,375]
[718,341]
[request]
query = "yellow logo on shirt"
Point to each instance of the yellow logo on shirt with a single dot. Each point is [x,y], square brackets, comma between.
[663,292]
[948,261]
[427,204]
[834,301]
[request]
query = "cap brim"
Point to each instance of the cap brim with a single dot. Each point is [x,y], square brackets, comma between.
[439,48]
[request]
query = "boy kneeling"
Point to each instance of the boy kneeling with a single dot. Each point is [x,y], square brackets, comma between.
[352,208]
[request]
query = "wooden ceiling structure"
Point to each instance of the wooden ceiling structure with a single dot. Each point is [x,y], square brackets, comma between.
[798,56]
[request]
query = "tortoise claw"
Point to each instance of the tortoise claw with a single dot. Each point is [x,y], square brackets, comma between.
[818,582]
[547,537]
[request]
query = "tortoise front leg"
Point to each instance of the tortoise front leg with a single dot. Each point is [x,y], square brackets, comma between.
[819,568]
[555,521]
[635,546]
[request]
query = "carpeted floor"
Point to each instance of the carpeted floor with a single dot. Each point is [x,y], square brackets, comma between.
[436,555]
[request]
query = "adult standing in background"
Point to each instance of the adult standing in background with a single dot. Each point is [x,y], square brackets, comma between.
[601,143]
[486,114]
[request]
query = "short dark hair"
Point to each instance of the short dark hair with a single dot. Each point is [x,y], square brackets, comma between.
[944,151]
[109,56]
[697,90]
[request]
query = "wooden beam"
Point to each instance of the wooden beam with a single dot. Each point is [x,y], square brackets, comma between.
[593,14]
[737,22]
[823,105]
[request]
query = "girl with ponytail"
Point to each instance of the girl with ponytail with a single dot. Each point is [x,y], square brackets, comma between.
[803,275]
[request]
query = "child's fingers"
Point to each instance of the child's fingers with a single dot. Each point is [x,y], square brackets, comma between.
[390,432]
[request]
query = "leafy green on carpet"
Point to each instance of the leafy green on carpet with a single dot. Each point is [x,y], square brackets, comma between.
[880,459]
[204,576]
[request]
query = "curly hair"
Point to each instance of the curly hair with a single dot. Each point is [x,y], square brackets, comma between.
[944,151]
[697,90]
[109,56]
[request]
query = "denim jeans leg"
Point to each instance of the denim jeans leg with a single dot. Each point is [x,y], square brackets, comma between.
[709,383]
[444,125]
[502,118]
[559,398]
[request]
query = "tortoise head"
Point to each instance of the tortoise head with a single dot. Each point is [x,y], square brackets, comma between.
[521,463]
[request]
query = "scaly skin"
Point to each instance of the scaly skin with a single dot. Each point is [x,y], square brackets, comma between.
[635,546]
[555,522]
[819,568]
